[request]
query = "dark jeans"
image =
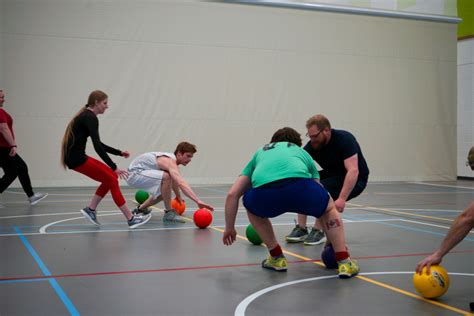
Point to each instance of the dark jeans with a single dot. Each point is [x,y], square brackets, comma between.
[334,186]
[14,167]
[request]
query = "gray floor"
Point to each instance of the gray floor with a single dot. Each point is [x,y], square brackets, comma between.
[54,262]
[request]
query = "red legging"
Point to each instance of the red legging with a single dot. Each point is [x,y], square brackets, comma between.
[100,172]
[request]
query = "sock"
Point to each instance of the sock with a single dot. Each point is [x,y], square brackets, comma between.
[91,209]
[131,219]
[342,255]
[276,252]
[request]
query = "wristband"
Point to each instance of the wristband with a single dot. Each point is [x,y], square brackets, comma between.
[12,146]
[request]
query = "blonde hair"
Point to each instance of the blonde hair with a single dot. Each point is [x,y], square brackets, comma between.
[68,138]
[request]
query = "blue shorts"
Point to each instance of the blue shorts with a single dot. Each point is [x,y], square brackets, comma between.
[297,195]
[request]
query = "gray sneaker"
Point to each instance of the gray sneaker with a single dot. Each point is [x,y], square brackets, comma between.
[90,215]
[35,198]
[171,216]
[315,237]
[138,211]
[298,234]
[138,220]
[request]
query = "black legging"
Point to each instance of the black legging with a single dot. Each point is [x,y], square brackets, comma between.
[14,167]
[334,186]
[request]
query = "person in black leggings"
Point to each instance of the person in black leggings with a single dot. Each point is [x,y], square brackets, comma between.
[12,164]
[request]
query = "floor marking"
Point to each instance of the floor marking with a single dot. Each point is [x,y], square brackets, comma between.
[442,185]
[43,229]
[51,214]
[54,284]
[175,269]
[99,230]
[242,307]
[399,212]
[419,193]
[428,224]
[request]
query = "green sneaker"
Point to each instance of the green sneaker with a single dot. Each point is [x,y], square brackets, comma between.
[171,216]
[348,269]
[278,263]
[298,234]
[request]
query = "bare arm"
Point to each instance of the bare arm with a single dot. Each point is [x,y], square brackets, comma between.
[168,164]
[352,166]
[238,189]
[176,191]
[460,228]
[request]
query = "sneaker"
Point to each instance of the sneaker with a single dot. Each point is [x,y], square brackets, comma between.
[138,211]
[315,237]
[171,216]
[348,269]
[278,263]
[138,220]
[90,215]
[35,198]
[298,234]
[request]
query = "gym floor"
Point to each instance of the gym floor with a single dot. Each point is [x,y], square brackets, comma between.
[55,262]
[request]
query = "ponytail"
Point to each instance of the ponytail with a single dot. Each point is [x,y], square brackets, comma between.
[68,138]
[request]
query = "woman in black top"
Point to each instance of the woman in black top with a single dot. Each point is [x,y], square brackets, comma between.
[85,124]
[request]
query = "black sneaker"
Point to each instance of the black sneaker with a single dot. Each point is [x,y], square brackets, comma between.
[298,234]
[315,237]
[138,211]
[90,215]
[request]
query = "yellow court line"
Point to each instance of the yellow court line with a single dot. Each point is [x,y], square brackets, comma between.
[398,212]
[454,309]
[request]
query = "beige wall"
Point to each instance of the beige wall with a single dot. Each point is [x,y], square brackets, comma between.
[225,77]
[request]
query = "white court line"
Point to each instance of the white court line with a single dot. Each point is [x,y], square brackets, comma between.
[242,307]
[442,185]
[428,224]
[42,230]
[428,210]
[152,229]
[50,214]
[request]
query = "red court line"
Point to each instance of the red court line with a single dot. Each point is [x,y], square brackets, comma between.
[74,275]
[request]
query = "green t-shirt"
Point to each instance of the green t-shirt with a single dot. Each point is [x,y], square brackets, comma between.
[276,161]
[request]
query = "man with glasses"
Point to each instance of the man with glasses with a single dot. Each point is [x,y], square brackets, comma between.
[344,175]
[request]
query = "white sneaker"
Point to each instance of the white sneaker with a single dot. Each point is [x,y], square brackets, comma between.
[35,198]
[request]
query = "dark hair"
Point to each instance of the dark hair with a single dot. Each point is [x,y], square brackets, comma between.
[319,120]
[185,147]
[287,134]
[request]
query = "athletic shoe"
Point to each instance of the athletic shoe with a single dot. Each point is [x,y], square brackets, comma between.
[138,211]
[315,237]
[278,263]
[90,215]
[138,220]
[35,198]
[348,269]
[298,234]
[171,216]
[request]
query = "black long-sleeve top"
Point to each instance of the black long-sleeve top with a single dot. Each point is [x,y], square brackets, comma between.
[86,125]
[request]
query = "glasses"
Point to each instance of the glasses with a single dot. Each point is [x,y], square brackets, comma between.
[315,135]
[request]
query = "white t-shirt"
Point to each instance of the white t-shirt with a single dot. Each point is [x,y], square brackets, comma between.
[147,161]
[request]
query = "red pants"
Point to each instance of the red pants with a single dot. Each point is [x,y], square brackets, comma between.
[100,172]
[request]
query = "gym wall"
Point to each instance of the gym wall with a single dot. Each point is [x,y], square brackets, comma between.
[225,77]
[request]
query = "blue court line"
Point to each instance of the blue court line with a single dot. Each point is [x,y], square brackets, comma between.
[410,228]
[55,285]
